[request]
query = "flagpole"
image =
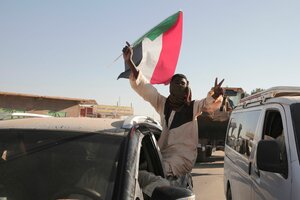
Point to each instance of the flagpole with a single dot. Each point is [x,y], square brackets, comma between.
[114,61]
[127,43]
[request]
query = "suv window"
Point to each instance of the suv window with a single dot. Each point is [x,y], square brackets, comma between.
[241,131]
[273,130]
[295,112]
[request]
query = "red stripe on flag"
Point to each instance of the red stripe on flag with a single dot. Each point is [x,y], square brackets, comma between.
[171,43]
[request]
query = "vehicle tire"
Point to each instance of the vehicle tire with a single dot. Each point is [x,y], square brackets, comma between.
[228,193]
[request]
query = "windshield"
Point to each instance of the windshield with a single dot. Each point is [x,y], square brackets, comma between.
[295,112]
[39,164]
[234,97]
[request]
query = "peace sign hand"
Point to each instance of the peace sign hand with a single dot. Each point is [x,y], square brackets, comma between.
[218,90]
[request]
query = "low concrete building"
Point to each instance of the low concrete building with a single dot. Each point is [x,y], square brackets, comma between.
[54,106]
[59,106]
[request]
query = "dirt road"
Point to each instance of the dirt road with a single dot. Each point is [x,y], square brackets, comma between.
[208,178]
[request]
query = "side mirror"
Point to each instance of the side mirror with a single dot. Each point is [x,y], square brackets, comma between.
[172,193]
[268,157]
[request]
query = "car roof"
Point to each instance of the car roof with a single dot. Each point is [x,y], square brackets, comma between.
[280,94]
[83,124]
[286,100]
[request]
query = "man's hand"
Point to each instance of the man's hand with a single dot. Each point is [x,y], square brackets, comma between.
[218,90]
[127,55]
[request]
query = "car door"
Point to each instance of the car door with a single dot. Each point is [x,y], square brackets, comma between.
[269,185]
[237,161]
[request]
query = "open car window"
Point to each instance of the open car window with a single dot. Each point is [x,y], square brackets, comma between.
[150,157]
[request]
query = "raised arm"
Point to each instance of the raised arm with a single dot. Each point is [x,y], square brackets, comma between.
[141,85]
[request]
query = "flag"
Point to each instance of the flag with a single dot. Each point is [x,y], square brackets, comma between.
[156,52]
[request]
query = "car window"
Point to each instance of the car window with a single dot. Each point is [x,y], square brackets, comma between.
[38,164]
[232,132]
[241,131]
[295,112]
[273,130]
[150,158]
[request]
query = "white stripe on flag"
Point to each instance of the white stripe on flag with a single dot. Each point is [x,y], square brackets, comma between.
[151,53]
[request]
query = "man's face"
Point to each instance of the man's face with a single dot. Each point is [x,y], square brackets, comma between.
[178,86]
[179,82]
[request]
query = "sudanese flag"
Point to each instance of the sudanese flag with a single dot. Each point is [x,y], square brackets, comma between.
[156,52]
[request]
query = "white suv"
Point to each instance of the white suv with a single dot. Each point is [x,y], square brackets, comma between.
[263,146]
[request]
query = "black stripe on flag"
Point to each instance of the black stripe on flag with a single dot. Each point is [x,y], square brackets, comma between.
[136,57]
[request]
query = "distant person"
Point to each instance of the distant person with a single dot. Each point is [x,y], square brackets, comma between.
[179,138]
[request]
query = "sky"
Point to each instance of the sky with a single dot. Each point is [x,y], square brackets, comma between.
[66,48]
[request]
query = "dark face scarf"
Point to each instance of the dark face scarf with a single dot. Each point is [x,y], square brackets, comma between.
[179,94]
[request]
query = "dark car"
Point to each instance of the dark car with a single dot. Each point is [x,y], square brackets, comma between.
[80,158]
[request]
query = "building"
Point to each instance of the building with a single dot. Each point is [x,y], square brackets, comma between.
[113,111]
[58,106]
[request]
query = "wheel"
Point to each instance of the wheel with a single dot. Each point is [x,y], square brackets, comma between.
[79,191]
[228,193]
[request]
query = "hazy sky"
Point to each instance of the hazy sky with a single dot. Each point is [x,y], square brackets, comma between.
[63,48]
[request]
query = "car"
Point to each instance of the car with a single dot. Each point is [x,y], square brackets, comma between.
[261,158]
[80,158]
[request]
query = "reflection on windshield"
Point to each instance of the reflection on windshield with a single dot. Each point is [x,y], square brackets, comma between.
[40,164]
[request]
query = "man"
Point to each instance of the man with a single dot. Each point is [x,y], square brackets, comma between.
[179,138]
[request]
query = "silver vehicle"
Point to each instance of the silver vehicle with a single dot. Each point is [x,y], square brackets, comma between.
[262,146]
[80,158]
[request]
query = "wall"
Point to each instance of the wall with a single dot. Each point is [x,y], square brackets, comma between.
[39,105]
